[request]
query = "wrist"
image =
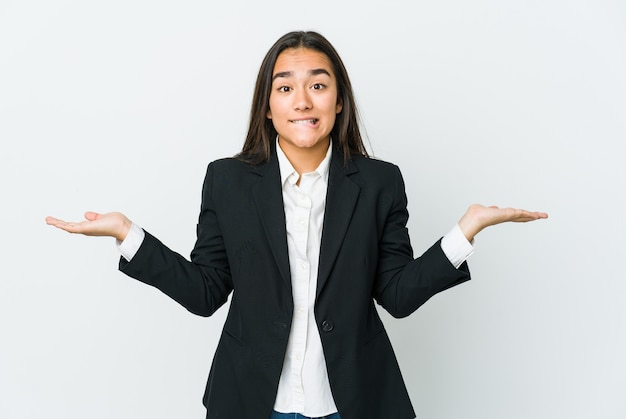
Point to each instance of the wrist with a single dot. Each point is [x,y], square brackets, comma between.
[123,229]
[469,224]
[468,229]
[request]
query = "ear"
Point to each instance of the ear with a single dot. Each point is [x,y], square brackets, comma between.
[268,115]
[339,106]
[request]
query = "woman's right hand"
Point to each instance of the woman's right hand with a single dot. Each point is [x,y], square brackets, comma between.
[113,224]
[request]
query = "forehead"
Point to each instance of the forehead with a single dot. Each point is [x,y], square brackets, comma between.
[301,59]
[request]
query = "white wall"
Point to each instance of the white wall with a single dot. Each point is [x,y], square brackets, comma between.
[120,105]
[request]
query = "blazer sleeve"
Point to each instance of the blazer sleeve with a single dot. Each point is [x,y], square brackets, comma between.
[201,284]
[403,283]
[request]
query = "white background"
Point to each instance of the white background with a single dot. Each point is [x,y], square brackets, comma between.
[120,105]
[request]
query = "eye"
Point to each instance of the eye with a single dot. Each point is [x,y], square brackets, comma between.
[284,89]
[318,86]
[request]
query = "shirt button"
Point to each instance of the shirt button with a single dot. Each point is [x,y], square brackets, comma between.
[327,326]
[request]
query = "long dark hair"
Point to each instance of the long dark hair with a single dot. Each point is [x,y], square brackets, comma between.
[345,134]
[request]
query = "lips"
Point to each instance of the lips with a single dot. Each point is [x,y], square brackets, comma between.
[305,121]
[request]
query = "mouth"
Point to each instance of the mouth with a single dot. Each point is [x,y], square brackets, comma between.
[310,121]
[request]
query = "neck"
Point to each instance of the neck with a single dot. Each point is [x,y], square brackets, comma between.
[305,160]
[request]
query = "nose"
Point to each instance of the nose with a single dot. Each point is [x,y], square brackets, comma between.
[302,100]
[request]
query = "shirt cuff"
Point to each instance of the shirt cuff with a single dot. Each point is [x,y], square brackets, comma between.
[456,247]
[128,248]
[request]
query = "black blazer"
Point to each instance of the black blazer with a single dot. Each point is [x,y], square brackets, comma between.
[241,248]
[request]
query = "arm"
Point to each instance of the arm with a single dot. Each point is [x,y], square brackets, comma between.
[403,284]
[201,285]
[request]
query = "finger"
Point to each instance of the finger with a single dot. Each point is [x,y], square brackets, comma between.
[535,214]
[91,216]
[70,227]
[55,222]
[530,216]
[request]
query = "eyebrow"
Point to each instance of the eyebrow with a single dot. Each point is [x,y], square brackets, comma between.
[314,72]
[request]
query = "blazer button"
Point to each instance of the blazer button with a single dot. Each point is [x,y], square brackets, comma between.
[327,326]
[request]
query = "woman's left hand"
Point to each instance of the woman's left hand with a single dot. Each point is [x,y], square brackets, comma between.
[478,217]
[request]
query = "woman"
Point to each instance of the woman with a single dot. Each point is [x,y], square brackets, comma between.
[307,233]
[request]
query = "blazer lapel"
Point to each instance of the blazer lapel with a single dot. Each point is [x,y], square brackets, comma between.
[269,201]
[341,199]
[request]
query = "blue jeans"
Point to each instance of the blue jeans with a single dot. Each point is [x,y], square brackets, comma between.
[276,415]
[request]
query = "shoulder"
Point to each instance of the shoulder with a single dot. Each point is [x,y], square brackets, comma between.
[229,173]
[376,178]
[230,167]
[372,167]
[229,164]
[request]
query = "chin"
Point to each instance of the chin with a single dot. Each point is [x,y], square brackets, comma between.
[306,142]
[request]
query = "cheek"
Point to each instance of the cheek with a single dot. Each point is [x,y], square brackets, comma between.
[275,109]
[334,121]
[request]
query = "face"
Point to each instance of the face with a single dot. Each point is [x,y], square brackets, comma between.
[303,101]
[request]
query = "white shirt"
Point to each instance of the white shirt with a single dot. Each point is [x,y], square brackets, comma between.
[303,387]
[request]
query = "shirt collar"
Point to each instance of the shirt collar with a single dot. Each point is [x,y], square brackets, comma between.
[287,171]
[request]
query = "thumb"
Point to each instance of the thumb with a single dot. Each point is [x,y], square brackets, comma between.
[92,216]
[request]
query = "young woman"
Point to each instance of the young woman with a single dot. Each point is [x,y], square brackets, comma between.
[306,233]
